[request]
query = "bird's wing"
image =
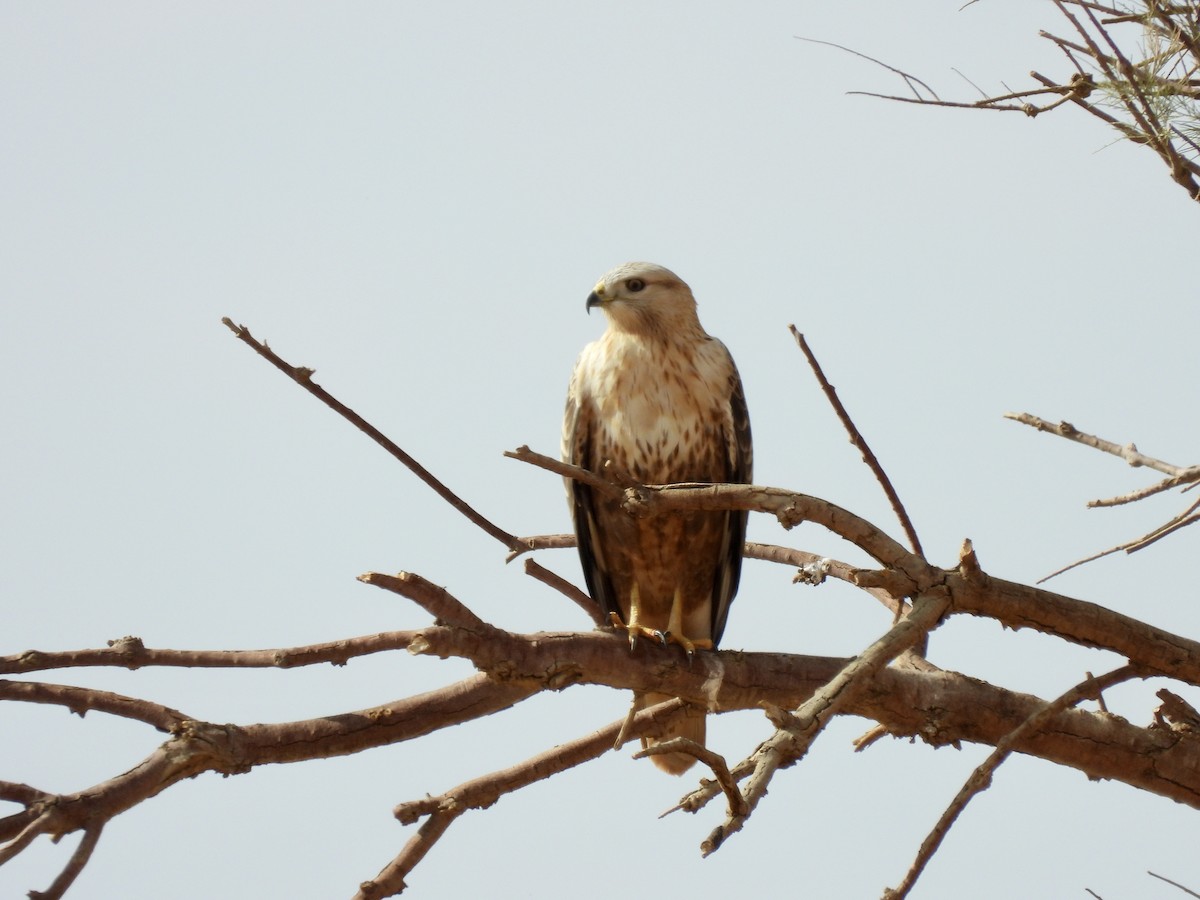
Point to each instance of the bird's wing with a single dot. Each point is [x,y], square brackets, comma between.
[741,465]
[577,449]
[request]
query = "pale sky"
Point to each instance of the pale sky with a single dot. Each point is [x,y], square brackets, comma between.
[415,199]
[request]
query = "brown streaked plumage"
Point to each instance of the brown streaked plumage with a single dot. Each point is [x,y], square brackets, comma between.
[661,401]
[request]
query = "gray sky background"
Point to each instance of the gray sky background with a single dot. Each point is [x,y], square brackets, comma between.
[415,199]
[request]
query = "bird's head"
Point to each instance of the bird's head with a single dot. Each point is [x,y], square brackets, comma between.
[644,298]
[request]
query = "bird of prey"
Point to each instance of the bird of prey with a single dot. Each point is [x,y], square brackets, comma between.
[657,400]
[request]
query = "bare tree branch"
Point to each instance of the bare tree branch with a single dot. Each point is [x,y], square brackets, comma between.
[131,653]
[197,747]
[797,730]
[911,80]
[981,778]
[516,666]
[81,700]
[905,697]
[568,590]
[303,377]
[860,443]
[1154,92]
[1127,452]
[1187,891]
[1177,476]
[437,601]
[480,793]
[79,859]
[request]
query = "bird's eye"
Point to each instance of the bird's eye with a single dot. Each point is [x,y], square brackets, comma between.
[634,285]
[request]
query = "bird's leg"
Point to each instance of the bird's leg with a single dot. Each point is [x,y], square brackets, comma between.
[635,629]
[674,633]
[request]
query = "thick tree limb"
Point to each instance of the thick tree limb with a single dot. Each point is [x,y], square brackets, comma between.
[1080,622]
[198,747]
[939,707]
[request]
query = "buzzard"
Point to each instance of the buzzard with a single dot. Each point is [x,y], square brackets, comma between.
[658,400]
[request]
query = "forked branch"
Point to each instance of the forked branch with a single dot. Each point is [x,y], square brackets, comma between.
[1132,67]
[800,694]
[1184,477]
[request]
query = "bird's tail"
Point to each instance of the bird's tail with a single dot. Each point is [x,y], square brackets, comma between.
[687,723]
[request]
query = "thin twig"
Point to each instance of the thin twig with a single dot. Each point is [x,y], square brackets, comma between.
[81,700]
[482,792]
[79,859]
[435,600]
[1080,562]
[1185,518]
[541,542]
[1177,476]
[860,442]
[715,762]
[999,103]
[1139,543]
[1187,891]
[1137,86]
[1127,452]
[303,377]
[910,80]
[390,880]
[568,590]
[584,476]
[1189,476]
[697,799]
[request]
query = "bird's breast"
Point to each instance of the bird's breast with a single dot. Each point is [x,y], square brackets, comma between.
[659,416]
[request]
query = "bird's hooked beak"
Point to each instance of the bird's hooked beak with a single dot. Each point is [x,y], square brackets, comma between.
[596,297]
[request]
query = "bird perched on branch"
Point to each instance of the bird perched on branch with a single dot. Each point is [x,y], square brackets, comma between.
[657,400]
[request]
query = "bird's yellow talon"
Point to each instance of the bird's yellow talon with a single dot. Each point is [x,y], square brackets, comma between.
[636,631]
[663,638]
